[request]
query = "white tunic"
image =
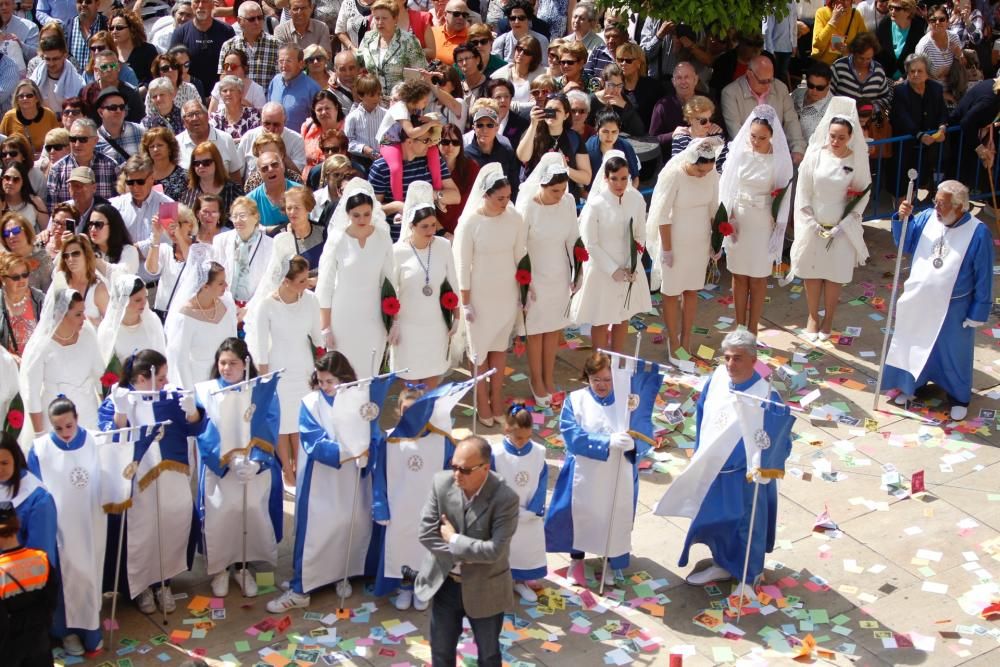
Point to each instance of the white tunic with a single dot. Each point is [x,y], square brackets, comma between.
[191,355]
[747,254]
[604,230]
[72,370]
[423,336]
[522,474]
[487,250]
[694,203]
[552,231]
[356,305]
[281,339]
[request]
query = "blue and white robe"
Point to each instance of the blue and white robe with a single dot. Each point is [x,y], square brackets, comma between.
[36,512]
[162,480]
[227,433]
[524,470]
[929,343]
[714,490]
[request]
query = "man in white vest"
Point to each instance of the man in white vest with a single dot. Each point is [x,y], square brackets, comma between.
[947,295]
[742,442]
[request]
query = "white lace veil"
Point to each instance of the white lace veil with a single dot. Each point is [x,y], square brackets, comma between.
[54,308]
[740,151]
[551,164]
[600,187]
[701,147]
[277,268]
[488,176]
[847,109]
[199,262]
[419,195]
[119,295]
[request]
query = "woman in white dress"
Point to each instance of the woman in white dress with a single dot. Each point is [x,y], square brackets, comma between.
[130,325]
[282,328]
[419,339]
[828,244]
[549,213]
[356,259]
[759,164]
[61,357]
[201,316]
[167,260]
[78,267]
[243,251]
[490,240]
[611,226]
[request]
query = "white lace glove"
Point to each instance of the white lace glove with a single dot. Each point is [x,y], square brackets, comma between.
[244,469]
[328,339]
[620,276]
[469,312]
[188,404]
[361,461]
[967,324]
[667,257]
[119,398]
[622,441]
[760,479]
[393,337]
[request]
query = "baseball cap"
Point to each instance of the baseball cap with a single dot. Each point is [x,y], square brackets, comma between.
[485,112]
[82,175]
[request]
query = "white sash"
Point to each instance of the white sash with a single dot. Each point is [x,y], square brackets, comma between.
[726,420]
[521,473]
[345,421]
[28,485]
[920,312]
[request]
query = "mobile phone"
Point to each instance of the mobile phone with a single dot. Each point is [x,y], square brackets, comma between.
[411,74]
[549,113]
[167,213]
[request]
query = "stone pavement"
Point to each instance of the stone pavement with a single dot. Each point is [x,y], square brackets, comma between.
[902,580]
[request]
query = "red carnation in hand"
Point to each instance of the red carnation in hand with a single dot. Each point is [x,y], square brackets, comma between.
[776,192]
[390,306]
[449,300]
[580,254]
[108,379]
[639,248]
[15,418]
[725,228]
[320,352]
[522,277]
[851,194]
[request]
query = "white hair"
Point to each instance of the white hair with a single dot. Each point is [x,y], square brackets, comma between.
[959,194]
[578,96]
[741,338]
[161,85]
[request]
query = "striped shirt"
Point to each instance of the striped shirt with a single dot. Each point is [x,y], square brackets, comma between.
[413,170]
[105,171]
[79,51]
[263,57]
[875,88]
[361,127]
[129,141]
[940,60]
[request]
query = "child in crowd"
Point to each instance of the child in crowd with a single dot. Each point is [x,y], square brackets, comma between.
[364,120]
[405,119]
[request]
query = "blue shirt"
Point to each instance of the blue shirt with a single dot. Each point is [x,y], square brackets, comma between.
[270,215]
[295,95]
[596,158]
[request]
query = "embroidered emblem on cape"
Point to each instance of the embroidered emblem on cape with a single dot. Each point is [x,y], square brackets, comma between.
[130,470]
[248,415]
[761,439]
[79,477]
[721,419]
[369,411]
[415,463]
[633,402]
[522,478]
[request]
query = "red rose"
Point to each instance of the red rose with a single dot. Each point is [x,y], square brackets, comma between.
[449,300]
[320,352]
[15,418]
[725,228]
[522,277]
[775,193]
[108,379]
[390,306]
[639,248]
[580,254]
[851,194]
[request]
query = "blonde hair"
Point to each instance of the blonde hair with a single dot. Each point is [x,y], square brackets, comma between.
[698,104]
[247,204]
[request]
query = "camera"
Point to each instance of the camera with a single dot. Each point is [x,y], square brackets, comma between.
[549,113]
[437,79]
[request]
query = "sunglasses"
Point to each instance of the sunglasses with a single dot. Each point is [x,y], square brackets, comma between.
[463,15]
[813,86]
[13,231]
[71,111]
[938,19]
[517,17]
[270,167]
[316,59]
[701,121]
[18,276]
[11,179]
[479,42]
[25,96]
[94,48]
[488,126]
[108,67]
[252,19]
[466,471]
[97,224]
[56,147]
[136,181]
[330,150]
[202,163]
[72,254]
[579,112]
[451,142]
[567,63]
[114,107]
[626,61]
[231,67]
[10,154]
[186,65]
[165,69]
[118,28]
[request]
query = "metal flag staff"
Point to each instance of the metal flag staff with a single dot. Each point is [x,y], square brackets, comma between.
[475,392]
[618,462]
[159,528]
[912,175]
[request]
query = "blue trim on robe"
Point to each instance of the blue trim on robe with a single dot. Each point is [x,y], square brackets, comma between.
[536,503]
[37,516]
[950,365]
[722,522]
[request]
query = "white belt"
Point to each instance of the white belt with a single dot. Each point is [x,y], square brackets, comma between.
[753,201]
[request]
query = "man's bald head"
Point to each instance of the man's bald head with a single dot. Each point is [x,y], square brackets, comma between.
[760,74]
[456,16]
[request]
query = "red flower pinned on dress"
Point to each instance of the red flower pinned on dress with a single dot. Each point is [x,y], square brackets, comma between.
[851,194]
[390,306]
[580,254]
[320,352]
[523,277]
[449,300]
[725,228]
[108,379]
[15,418]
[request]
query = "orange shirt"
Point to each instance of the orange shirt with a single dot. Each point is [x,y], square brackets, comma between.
[445,43]
[29,566]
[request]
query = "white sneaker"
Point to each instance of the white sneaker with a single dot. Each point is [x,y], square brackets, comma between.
[288,600]
[746,591]
[344,589]
[708,575]
[420,605]
[248,584]
[525,592]
[404,599]
[959,412]
[822,336]
[902,398]
[73,646]
[146,602]
[220,584]
[166,599]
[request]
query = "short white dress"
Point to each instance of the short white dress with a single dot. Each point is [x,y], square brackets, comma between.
[695,201]
[191,350]
[747,254]
[423,335]
[73,371]
[281,338]
[487,250]
[604,230]
[552,231]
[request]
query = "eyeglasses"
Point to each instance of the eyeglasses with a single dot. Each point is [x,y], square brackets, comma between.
[579,112]
[815,86]
[25,96]
[488,126]
[136,181]
[229,67]
[252,19]
[701,121]
[451,142]
[613,85]
[165,69]
[10,154]
[94,48]
[56,147]
[18,276]
[97,224]
[108,67]
[330,150]
[71,111]
[517,17]
[568,63]
[626,61]
[896,8]
[938,19]
[241,216]
[466,471]
[13,231]
[118,28]
[316,59]
[479,42]
[463,15]
[191,115]
[269,167]
[114,107]
[202,163]
[11,179]
[72,254]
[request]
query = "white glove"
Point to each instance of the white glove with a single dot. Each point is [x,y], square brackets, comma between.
[187,404]
[393,337]
[328,339]
[244,469]
[361,461]
[382,522]
[119,398]
[834,231]
[972,324]
[620,276]
[469,312]
[622,441]
[667,257]
[760,479]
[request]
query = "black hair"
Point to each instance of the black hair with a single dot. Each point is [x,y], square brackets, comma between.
[606,116]
[705,160]
[760,120]
[422,214]
[840,120]
[143,364]
[137,286]
[356,200]
[499,83]
[337,365]
[557,179]
[466,47]
[500,183]
[523,5]
[62,406]
[820,69]
[613,165]
[118,236]
[9,443]
[330,97]
[237,347]
[518,416]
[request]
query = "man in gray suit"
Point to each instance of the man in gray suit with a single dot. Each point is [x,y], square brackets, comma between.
[467,525]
